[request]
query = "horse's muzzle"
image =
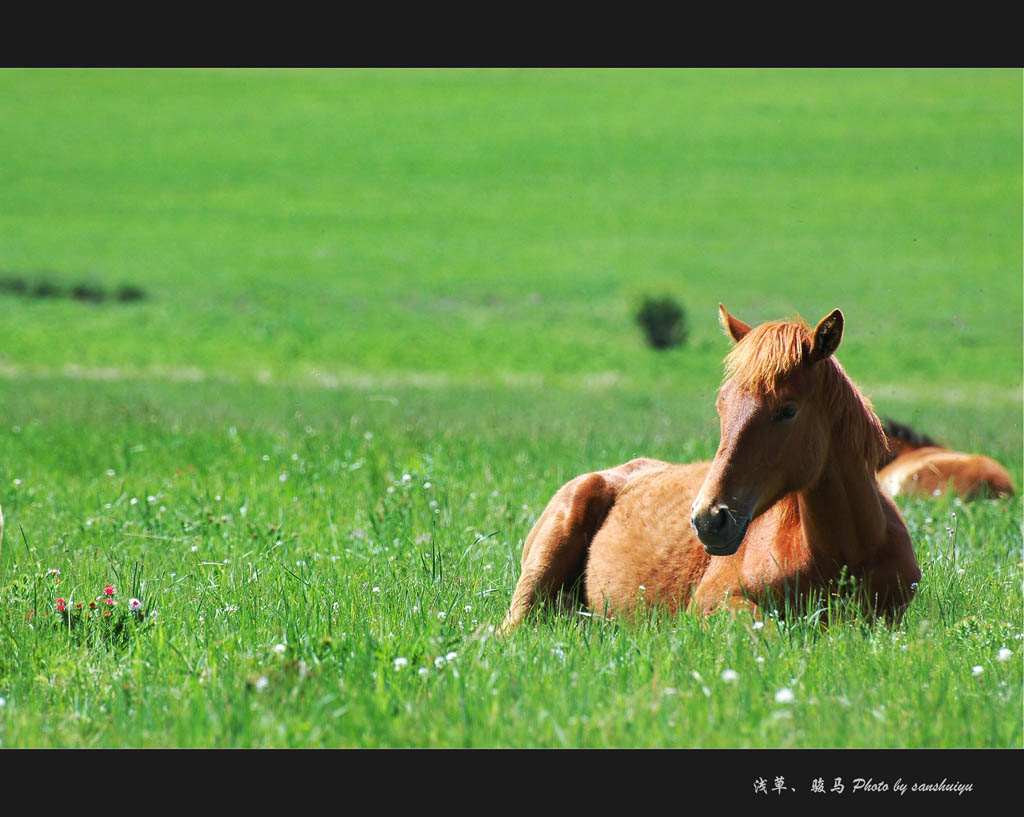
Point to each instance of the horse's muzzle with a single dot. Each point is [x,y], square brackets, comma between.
[719,529]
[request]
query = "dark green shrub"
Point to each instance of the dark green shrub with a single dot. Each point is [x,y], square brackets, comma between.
[663,321]
[88,292]
[130,292]
[45,289]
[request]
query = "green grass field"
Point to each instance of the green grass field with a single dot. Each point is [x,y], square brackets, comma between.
[387,314]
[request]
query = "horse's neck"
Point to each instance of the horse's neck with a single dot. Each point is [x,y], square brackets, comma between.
[841,515]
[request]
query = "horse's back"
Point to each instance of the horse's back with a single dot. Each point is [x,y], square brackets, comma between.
[646,548]
[931,471]
[585,495]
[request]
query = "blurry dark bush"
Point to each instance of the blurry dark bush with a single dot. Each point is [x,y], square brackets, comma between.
[130,292]
[88,292]
[45,285]
[45,289]
[663,321]
[13,283]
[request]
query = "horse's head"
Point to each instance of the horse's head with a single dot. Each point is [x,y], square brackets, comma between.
[776,423]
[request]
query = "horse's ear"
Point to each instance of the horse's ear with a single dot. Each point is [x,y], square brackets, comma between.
[827,336]
[733,327]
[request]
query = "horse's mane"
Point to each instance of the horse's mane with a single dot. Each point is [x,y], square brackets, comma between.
[900,431]
[773,350]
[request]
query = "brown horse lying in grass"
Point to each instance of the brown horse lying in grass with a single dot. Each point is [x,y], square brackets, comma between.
[789,505]
[919,466]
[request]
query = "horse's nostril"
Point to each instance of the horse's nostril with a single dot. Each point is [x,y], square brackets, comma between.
[714,521]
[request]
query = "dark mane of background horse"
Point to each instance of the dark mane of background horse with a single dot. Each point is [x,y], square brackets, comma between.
[900,431]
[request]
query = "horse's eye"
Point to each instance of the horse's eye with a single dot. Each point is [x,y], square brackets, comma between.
[786,413]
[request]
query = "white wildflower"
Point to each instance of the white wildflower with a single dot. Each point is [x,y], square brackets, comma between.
[977,670]
[278,649]
[730,676]
[1004,654]
[134,605]
[401,662]
[784,696]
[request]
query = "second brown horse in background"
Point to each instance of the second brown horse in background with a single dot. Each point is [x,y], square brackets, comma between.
[919,466]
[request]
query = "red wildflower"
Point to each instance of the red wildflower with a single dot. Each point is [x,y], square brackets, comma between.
[106,612]
[92,605]
[109,590]
[109,601]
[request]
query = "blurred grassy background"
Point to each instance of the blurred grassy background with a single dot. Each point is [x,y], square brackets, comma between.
[486,224]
